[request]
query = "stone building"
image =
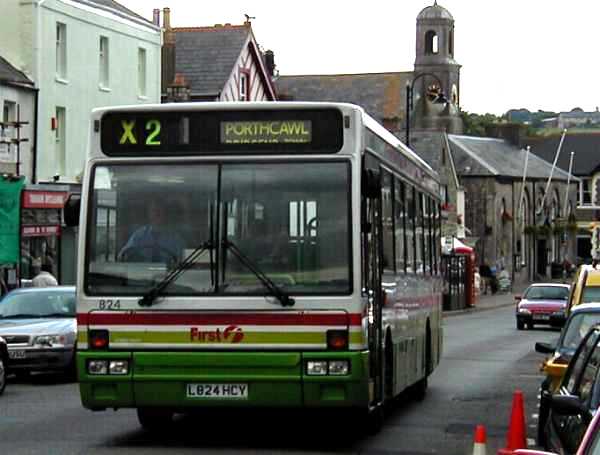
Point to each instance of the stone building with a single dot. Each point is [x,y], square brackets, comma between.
[520,227]
[585,147]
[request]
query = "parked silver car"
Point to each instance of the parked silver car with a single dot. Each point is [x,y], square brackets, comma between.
[40,329]
[3,364]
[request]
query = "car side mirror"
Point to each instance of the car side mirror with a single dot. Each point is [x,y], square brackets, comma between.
[518,298]
[544,348]
[71,210]
[570,405]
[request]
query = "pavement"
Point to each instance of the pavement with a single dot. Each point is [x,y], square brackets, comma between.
[490,301]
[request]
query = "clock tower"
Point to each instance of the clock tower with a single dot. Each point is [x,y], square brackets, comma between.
[436,79]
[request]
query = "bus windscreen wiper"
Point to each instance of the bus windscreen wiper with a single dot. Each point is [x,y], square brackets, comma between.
[275,290]
[149,297]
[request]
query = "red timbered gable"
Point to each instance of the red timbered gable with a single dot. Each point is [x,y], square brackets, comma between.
[219,63]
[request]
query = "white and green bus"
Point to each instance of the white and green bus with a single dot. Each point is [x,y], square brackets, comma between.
[254,255]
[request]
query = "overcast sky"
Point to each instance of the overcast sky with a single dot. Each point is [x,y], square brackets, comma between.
[534,54]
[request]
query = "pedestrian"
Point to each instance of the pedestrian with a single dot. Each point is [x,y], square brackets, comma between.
[485,273]
[45,277]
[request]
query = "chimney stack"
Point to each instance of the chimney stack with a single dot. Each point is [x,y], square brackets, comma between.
[166,18]
[270,62]
[511,132]
[156,17]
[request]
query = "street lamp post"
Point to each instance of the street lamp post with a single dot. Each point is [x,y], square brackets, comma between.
[409,99]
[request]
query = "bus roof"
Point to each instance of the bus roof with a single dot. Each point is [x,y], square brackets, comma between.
[368,121]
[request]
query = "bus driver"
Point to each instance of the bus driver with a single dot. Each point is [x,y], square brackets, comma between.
[155,241]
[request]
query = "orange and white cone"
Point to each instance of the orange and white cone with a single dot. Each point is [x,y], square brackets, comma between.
[479,446]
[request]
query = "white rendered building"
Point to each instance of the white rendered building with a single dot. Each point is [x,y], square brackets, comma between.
[80,54]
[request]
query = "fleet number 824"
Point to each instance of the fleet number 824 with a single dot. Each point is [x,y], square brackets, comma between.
[109,304]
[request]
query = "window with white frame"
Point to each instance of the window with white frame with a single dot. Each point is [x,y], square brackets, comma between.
[244,86]
[104,63]
[586,191]
[61,50]
[141,72]
[60,135]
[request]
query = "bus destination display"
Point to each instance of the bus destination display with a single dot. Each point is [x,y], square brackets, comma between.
[276,132]
[167,133]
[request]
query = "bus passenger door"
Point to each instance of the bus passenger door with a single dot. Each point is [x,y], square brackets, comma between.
[372,253]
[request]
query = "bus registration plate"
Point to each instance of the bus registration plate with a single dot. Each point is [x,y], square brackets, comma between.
[218,391]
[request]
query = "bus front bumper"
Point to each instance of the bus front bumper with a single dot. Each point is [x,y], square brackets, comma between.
[258,379]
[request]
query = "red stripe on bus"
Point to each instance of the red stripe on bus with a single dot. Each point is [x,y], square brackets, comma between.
[123,318]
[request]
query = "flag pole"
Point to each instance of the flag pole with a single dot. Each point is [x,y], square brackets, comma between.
[552,170]
[568,182]
[527,150]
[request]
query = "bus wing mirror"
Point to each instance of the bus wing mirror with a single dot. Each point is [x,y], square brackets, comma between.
[371,184]
[72,208]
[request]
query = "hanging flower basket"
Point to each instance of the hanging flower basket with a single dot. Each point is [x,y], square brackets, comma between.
[545,230]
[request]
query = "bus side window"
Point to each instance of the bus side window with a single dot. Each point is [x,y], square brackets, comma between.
[399,226]
[387,220]
[410,229]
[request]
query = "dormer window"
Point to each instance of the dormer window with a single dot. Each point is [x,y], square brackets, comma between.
[431,42]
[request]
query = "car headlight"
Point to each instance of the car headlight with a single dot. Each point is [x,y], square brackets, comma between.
[51,341]
[524,311]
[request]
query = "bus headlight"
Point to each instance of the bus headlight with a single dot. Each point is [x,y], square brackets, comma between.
[96,367]
[338,367]
[118,367]
[316,367]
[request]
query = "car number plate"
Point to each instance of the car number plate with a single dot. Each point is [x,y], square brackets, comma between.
[16,354]
[543,317]
[218,391]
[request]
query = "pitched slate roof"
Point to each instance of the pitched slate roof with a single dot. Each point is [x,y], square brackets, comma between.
[483,156]
[9,74]
[206,55]
[382,95]
[585,145]
[115,6]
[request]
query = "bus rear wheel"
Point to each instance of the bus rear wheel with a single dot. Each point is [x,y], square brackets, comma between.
[154,419]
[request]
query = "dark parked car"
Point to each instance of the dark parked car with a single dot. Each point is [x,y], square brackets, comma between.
[40,329]
[3,364]
[578,324]
[542,303]
[572,408]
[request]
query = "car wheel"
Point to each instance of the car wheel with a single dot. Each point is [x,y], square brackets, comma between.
[155,419]
[530,325]
[520,325]
[2,376]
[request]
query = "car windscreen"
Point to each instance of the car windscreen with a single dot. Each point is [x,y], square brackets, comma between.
[577,327]
[38,304]
[547,293]
[590,294]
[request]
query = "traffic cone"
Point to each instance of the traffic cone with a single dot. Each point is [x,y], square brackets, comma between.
[479,446]
[516,437]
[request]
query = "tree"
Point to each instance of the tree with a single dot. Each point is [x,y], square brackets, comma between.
[475,124]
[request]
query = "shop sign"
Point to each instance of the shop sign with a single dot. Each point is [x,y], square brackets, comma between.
[44,199]
[39,231]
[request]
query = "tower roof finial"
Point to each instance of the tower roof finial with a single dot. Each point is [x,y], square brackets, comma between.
[434,2]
